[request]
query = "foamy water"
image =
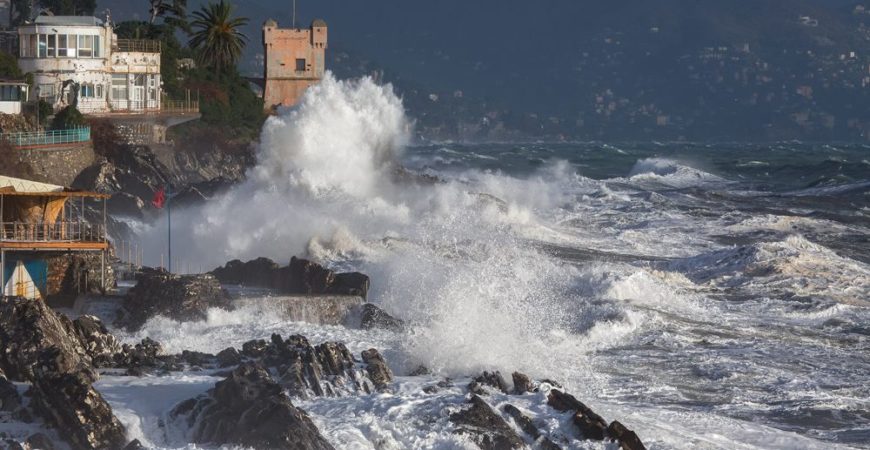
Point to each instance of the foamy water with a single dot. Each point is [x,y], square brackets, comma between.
[701,309]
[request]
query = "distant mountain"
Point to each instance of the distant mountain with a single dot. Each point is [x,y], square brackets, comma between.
[622,69]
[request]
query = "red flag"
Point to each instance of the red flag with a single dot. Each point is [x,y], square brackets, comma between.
[159,198]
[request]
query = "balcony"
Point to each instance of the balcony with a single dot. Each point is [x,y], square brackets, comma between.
[58,235]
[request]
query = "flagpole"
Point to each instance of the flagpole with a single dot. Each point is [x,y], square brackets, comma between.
[169,224]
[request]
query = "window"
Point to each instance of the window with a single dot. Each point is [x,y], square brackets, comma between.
[119,87]
[46,90]
[61,46]
[51,45]
[43,45]
[10,93]
[97,53]
[300,65]
[99,91]
[87,91]
[71,46]
[86,46]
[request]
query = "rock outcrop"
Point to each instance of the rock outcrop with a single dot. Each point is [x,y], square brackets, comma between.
[100,345]
[486,427]
[490,379]
[179,297]
[63,396]
[249,409]
[301,276]
[327,369]
[373,317]
[27,327]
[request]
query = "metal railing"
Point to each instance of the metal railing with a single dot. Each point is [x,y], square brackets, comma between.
[52,232]
[138,45]
[47,138]
[180,106]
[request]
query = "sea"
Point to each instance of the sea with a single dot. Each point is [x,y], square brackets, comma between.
[711,295]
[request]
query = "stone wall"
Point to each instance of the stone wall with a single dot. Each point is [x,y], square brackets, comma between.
[70,274]
[58,165]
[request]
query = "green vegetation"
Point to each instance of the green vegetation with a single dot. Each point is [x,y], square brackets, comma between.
[70,7]
[9,67]
[216,36]
[68,118]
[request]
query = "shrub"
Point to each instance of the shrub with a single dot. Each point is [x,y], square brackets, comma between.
[67,118]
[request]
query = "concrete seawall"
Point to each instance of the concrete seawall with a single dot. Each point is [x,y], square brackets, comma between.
[58,165]
[316,309]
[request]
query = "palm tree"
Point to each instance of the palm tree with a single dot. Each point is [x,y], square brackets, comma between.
[216,37]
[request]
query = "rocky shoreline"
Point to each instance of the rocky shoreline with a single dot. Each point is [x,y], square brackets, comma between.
[49,364]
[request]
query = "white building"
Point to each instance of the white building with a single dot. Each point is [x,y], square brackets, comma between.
[114,75]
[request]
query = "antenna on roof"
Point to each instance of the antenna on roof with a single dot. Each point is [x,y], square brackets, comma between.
[294,13]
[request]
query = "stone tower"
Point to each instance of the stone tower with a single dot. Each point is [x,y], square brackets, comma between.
[294,60]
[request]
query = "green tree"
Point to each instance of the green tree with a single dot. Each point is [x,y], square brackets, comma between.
[67,118]
[9,67]
[70,7]
[216,38]
[173,12]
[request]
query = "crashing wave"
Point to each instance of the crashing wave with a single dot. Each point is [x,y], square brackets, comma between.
[671,173]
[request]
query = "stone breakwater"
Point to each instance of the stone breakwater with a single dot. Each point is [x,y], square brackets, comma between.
[57,360]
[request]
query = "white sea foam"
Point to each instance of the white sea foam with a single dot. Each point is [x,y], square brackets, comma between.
[460,261]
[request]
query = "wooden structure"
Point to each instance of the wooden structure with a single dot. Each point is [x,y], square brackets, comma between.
[38,219]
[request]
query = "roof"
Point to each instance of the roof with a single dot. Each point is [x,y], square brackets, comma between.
[15,82]
[68,21]
[20,186]
[318,23]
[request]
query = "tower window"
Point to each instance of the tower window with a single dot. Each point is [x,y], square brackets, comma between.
[300,65]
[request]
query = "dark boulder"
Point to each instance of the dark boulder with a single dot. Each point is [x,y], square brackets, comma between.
[27,327]
[350,283]
[525,423]
[260,272]
[10,400]
[63,396]
[486,427]
[99,344]
[522,383]
[377,368]
[305,277]
[373,317]
[39,441]
[627,439]
[491,379]
[228,357]
[591,425]
[179,297]
[249,409]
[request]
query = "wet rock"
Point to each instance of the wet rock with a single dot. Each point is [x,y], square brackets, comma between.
[254,348]
[260,272]
[179,297]
[522,383]
[420,370]
[301,276]
[627,439]
[525,423]
[491,379]
[377,368]
[10,400]
[134,445]
[249,409]
[229,357]
[27,327]
[144,355]
[63,396]
[306,277]
[197,358]
[39,441]
[99,344]
[591,425]
[350,283]
[486,427]
[373,317]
